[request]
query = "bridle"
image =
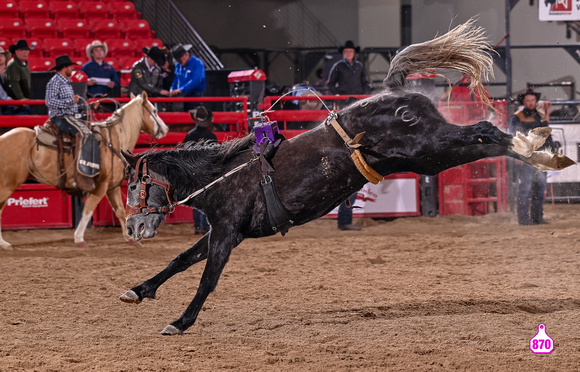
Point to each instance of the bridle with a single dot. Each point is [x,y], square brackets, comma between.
[154,117]
[147,180]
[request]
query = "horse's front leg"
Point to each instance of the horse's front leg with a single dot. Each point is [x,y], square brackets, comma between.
[220,247]
[93,199]
[196,253]
[116,200]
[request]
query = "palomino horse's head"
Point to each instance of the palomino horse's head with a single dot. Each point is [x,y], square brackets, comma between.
[152,123]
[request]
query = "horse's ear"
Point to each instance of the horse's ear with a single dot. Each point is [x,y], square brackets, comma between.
[130,158]
[131,95]
[144,95]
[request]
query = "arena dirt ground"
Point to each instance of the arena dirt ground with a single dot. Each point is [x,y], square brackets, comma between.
[413,294]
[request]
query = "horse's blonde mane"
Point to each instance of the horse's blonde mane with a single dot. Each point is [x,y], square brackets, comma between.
[127,119]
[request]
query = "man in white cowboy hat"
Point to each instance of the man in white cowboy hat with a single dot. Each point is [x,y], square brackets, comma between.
[533,182]
[203,119]
[102,76]
[348,75]
[62,109]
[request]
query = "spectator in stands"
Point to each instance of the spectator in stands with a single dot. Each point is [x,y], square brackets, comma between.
[189,78]
[203,119]
[18,75]
[62,110]
[4,56]
[146,74]
[532,181]
[102,76]
[348,76]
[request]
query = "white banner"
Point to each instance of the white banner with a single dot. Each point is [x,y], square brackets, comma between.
[559,10]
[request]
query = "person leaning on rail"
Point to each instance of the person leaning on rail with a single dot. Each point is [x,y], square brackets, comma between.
[146,74]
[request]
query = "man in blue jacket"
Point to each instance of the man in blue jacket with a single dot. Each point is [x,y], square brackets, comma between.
[102,76]
[189,80]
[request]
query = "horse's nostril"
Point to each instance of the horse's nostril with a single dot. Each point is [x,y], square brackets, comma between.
[141,228]
[129,231]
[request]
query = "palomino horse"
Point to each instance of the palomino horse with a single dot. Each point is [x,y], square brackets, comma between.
[315,172]
[21,158]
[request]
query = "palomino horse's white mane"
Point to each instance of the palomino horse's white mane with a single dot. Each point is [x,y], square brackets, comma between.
[128,120]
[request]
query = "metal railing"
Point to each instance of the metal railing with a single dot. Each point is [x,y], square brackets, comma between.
[173,28]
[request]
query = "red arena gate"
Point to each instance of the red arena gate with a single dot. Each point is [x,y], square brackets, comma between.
[480,187]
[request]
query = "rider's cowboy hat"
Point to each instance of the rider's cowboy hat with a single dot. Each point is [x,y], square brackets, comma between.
[155,54]
[20,44]
[201,116]
[529,91]
[93,45]
[62,62]
[349,45]
[178,52]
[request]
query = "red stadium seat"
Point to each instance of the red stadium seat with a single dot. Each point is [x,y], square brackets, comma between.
[80,61]
[105,29]
[33,9]
[58,46]
[74,28]
[8,9]
[40,64]
[63,9]
[92,10]
[126,63]
[5,42]
[35,45]
[121,48]
[13,28]
[113,62]
[136,29]
[151,42]
[41,27]
[80,46]
[122,10]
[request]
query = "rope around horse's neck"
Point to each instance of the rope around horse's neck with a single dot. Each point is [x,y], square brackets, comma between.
[209,185]
[297,90]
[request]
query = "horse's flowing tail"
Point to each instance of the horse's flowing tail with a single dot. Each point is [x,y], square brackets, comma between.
[463,49]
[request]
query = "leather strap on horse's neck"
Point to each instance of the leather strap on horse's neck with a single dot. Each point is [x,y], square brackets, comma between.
[353,144]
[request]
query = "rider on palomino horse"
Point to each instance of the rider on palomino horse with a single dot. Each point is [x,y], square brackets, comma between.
[62,108]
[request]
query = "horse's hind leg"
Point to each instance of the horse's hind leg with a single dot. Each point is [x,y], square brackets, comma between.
[116,200]
[197,252]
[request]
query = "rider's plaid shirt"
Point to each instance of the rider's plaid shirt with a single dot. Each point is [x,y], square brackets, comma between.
[59,97]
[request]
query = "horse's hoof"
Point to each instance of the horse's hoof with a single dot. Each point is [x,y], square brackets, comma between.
[171,331]
[134,243]
[82,244]
[130,297]
[7,247]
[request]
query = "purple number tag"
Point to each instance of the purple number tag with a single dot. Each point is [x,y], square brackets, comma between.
[541,343]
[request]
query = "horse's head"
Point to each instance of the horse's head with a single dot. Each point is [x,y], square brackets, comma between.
[152,123]
[149,197]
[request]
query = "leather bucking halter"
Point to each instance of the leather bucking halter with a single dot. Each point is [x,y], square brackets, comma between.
[147,180]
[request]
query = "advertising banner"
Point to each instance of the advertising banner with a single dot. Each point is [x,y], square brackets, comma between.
[559,10]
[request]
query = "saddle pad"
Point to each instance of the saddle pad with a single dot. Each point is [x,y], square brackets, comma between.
[44,137]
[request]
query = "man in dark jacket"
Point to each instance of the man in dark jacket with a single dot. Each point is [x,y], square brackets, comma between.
[348,75]
[532,181]
[146,74]
[18,75]
[203,119]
